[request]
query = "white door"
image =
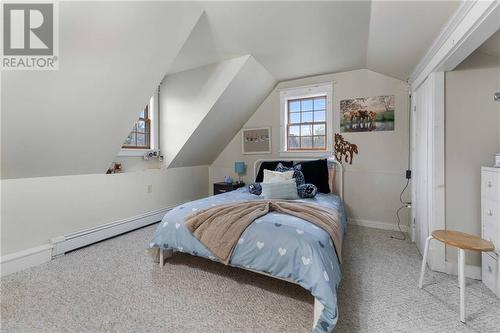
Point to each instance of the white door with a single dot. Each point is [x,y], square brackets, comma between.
[428,164]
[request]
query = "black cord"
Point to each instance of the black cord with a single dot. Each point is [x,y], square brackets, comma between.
[405,205]
[399,225]
[402,192]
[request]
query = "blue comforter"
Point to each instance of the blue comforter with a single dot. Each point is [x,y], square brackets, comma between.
[277,244]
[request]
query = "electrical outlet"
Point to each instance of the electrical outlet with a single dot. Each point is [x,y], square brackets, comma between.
[150,188]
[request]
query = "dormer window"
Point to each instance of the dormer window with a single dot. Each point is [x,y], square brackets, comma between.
[140,136]
[144,136]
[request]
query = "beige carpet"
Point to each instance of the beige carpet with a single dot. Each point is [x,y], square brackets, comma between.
[113,287]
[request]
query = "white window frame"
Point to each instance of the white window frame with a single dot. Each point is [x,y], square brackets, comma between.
[305,92]
[154,135]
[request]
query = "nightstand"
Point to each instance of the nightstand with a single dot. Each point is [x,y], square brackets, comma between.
[223,187]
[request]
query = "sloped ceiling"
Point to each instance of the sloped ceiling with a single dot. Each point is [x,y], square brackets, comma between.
[114,54]
[304,38]
[492,45]
[247,88]
[112,57]
[290,39]
[401,32]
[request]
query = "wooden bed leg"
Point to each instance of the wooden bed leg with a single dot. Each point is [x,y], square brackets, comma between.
[165,254]
[318,309]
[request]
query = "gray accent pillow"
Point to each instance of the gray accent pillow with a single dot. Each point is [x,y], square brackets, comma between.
[307,191]
[255,188]
[282,190]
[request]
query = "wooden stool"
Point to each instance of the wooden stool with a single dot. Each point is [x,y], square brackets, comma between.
[463,242]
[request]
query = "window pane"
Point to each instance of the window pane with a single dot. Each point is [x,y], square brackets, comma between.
[139,135]
[307,104]
[294,106]
[307,117]
[293,142]
[141,139]
[141,126]
[319,129]
[294,118]
[130,141]
[319,142]
[294,130]
[319,116]
[305,142]
[305,130]
[320,103]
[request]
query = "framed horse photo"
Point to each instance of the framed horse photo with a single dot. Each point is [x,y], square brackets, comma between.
[367,114]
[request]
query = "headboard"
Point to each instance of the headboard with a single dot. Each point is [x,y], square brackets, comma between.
[335,168]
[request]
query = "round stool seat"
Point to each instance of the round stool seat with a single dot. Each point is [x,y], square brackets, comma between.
[463,240]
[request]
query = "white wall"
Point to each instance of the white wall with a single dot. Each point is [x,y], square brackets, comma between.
[34,210]
[374,180]
[472,139]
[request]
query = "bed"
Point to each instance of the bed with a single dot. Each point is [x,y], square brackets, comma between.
[277,245]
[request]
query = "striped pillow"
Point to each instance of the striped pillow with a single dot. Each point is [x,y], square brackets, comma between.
[280,190]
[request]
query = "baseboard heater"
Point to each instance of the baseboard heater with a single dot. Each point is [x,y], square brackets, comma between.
[86,237]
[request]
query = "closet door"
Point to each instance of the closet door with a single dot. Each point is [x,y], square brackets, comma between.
[428,164]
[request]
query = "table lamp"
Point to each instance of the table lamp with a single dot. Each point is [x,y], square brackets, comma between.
[239,168]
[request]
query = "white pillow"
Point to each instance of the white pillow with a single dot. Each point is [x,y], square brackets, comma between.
[276,176]
[280,190]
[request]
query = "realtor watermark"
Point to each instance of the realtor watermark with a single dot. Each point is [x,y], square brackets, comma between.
[30,38]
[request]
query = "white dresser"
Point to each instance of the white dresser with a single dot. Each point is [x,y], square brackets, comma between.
[490,226]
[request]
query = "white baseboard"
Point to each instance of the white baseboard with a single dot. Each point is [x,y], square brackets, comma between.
[86,237]
[18,261]
[378,225]
[472,272]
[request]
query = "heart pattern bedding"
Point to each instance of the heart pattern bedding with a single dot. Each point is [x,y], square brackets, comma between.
[280,245]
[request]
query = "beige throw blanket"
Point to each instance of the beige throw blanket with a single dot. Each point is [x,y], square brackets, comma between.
[219,228]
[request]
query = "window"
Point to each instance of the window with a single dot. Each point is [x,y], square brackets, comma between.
[306,123]
[140,136]
[144,136]
[307,120]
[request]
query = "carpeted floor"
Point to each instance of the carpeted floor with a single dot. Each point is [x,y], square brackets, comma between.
[114,287]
